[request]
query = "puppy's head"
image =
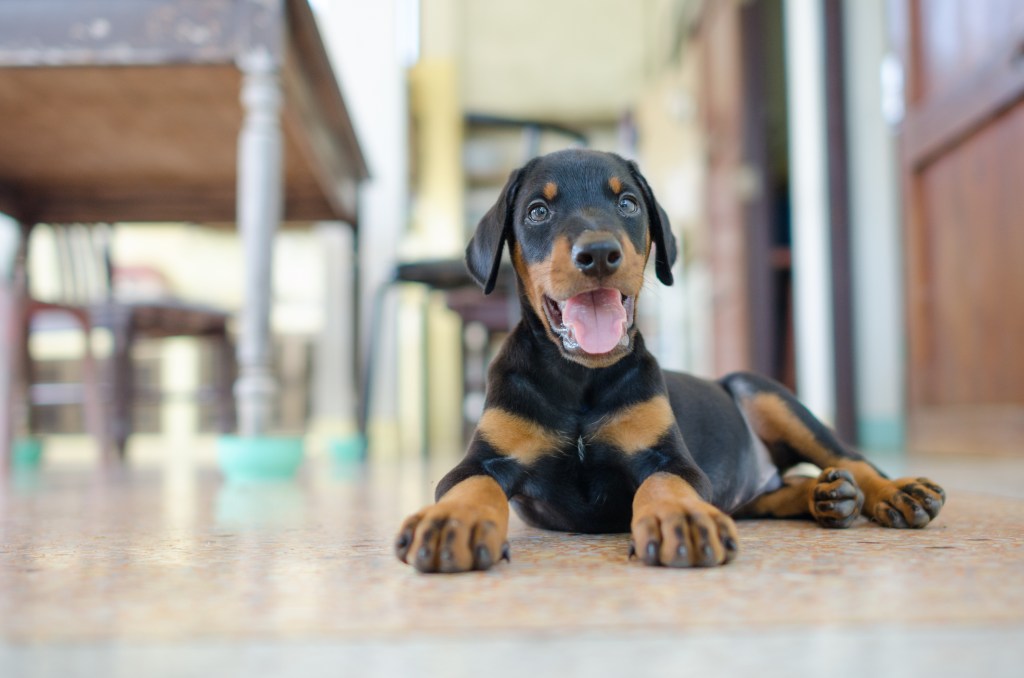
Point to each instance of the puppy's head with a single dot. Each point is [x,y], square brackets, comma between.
[580,226]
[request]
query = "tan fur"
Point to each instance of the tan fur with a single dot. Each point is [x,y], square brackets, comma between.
[832,498]
[555,276]
[550,190]
[775,422]
[882,495]
[517,437]
[866,476]
[558,278]
[684,529]
[471,515]
[789,501]
[662,490]
[615,184]
[478,491]
[638,427]
[519,264]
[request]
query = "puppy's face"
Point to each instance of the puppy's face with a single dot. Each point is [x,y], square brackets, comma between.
[580,244]
[580,226]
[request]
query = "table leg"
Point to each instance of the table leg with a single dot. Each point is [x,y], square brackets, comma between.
[8,357]
[12,351]
[260,181]
[254,455]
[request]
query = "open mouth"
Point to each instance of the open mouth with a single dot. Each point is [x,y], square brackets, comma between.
[595,322]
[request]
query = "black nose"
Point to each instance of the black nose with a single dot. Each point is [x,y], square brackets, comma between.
[597,257]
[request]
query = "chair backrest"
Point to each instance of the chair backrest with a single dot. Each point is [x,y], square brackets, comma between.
[83,271]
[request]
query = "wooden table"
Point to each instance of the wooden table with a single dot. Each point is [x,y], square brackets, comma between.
[173,110]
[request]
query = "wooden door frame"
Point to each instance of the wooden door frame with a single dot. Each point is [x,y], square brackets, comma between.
[839,214]
[925,132]
[761,284]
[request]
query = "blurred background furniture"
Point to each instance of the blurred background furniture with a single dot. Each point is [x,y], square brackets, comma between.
[130,111]
[87,296]
[43,315]
[495,314]
[485,319]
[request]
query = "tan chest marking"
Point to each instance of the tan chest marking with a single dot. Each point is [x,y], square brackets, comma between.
[516,436]
[637,427]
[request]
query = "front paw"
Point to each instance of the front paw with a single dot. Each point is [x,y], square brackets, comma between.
[452,538]
[689,533]
[905,502]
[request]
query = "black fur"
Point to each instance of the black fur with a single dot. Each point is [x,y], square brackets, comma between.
[588,486]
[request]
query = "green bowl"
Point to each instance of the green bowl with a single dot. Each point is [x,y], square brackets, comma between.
[259,459]
[348,450]
[27,453]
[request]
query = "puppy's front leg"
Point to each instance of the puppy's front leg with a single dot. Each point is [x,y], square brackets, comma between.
[465,530]
[673,526]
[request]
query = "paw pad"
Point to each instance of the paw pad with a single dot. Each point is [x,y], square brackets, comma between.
[837,500]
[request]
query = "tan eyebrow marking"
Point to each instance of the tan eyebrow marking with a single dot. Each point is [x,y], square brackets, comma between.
[550,190]
[615,184]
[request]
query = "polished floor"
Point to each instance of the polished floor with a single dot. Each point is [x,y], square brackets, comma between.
[165,571]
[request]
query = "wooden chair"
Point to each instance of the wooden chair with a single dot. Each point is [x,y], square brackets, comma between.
[86,291]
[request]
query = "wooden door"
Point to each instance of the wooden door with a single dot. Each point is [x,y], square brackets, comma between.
[962,155]
[726,192]
[744,118]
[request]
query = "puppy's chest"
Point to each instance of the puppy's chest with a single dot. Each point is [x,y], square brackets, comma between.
[554,432]
[623,430]
[589,438]
[586,485]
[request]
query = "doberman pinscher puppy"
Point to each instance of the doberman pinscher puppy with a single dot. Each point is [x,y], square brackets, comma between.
[584,432]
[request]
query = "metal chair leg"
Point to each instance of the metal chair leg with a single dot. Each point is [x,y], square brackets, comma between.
[370,367]
[224,373]
[92,401]
[122,378]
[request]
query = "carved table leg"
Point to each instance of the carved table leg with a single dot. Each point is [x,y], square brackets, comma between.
[259,212]
[13,394]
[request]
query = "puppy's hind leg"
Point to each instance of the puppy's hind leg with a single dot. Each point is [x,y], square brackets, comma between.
[793,434]
[832,499]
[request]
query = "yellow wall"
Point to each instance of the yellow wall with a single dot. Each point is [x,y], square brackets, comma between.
[436,233]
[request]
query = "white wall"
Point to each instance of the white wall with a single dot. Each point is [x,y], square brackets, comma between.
[363,40]
[808,153]
[875,231]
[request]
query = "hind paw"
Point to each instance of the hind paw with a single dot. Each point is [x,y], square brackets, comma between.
[906,502]
[836,500]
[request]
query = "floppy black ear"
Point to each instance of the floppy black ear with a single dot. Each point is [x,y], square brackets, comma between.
[483,254]
[661,231]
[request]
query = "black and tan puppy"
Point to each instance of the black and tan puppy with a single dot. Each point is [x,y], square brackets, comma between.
[582,430]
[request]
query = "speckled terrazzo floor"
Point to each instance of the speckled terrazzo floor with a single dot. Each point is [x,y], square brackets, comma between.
[166,571]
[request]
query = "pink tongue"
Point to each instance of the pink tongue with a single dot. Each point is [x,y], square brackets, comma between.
[597,319]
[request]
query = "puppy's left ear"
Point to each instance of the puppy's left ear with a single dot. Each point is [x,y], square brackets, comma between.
[661,232]
[483,254]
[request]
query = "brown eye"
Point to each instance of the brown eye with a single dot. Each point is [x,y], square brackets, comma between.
[628,205]
[538,213]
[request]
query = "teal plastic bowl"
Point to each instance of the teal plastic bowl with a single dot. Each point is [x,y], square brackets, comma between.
[259,459]
[347,450]
[27,453]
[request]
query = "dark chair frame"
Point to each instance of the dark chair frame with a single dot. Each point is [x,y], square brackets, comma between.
[108,401]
